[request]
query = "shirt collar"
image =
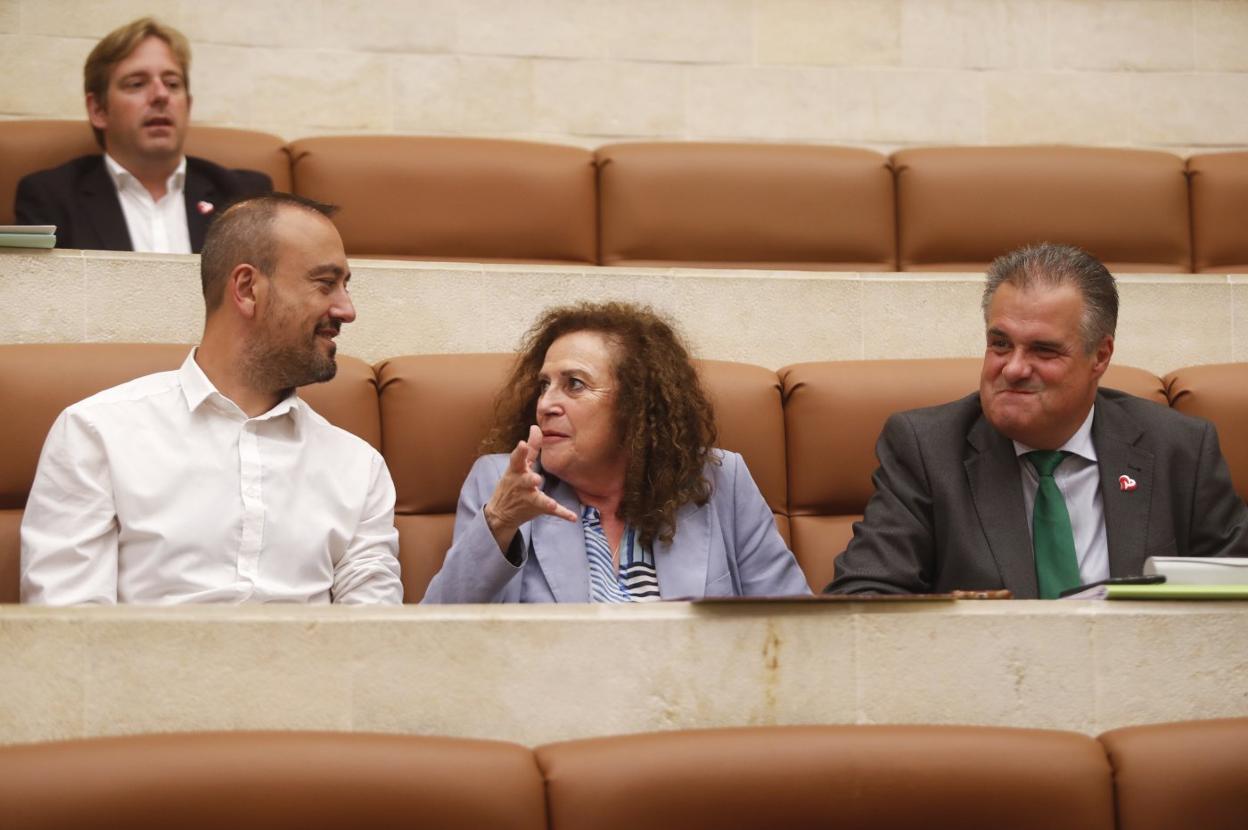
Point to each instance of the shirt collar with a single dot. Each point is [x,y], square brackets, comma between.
[198,389]
[1079,444]
[123,178]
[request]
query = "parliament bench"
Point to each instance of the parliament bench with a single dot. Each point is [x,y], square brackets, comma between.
[852,777]
[727,205]
[807,432]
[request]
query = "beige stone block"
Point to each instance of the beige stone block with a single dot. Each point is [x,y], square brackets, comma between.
[609,98]
[270,24]
[389,25]
[537,28]
[166,674]
[927,107]
[43,76]
[571,675]
[685,31]
[1221,32]
[76,18]
[1149,35]
[1239,311]
[142,298]
[10,16]
[970,668]
[973,34]
[1142,679]
[846,33]
[462,94]
[220,75]
[1057,108]
[1201,109]
[42,677]
[1167,322]
[341,90]
[41,297]
[930,316]
[779,104]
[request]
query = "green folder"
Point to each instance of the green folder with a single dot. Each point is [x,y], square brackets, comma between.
[1165,591]
[27,240]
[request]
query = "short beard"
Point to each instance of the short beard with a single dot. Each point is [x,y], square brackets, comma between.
[280,368]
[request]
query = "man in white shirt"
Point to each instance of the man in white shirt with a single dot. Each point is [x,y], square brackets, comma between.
[216,482]
[142,194]
[1042,480]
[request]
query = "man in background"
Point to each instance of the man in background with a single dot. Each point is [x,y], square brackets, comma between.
[142,194]
[1041,481]
[216,482]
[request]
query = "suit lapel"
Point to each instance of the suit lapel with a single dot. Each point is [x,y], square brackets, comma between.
[681,565]
[198,189]
[98,197]
[559,546]
[1115,437]
[997,491]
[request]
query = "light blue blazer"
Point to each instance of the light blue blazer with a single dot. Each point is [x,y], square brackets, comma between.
[727,547]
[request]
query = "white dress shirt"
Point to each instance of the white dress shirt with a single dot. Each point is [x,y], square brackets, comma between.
[158,226]
[162,490]
[1078,478]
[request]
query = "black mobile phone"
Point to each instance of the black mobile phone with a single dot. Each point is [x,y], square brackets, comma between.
[1151,579]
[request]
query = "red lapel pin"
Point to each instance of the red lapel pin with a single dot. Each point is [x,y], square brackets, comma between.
[1126,483]
[205,208]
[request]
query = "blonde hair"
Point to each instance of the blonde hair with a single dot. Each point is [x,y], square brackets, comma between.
[117,45]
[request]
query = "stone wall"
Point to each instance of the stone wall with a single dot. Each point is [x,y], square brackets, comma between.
[876,73]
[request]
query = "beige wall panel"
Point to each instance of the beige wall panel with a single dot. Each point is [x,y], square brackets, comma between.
[603,98]
[41,297]
[43,678]
[536,28]
[221,83]
[925,107]
[10,16]
[1239,310]
[848,33]
[233,675]
[1221,35]
[1194,313]
[271,24]
[930,316]
[1191,109]
[342,90]
[43,76]
[93,18]
[777,103]
[690,31]
[1146,35]
[462,95]
[983,677]
[389,25]
[975,33]
[155,299]
[1058,108]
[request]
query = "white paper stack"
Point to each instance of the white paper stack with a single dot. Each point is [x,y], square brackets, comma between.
[27,236]
[1187,570]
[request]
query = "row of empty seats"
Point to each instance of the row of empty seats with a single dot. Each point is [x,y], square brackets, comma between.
[807,432]
[851,777]
[727,205]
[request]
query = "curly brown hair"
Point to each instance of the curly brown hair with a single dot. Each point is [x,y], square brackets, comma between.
[663,416]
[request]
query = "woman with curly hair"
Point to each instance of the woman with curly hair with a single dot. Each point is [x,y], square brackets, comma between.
[616,493]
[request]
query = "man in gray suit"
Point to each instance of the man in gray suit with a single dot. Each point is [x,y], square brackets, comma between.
[1041,481]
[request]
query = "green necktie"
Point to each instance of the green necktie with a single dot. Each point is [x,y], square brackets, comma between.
[1057,567]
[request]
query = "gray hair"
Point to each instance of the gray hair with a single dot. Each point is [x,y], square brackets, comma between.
[1051,264]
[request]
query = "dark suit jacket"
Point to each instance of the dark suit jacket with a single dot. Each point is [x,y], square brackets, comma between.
[948,510]
[79,198]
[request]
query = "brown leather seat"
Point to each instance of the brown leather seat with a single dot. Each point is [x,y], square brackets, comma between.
[474,199]
[1219,188]
[868,777]
[46,378]
[1218,393]
[960,207]
[270,780]
[1181,774]
[834,412]
[746,206]
[30,146]
[436,409]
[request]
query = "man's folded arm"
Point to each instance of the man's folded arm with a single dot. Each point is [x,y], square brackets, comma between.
[69,530]
[893,549]
[368,572]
